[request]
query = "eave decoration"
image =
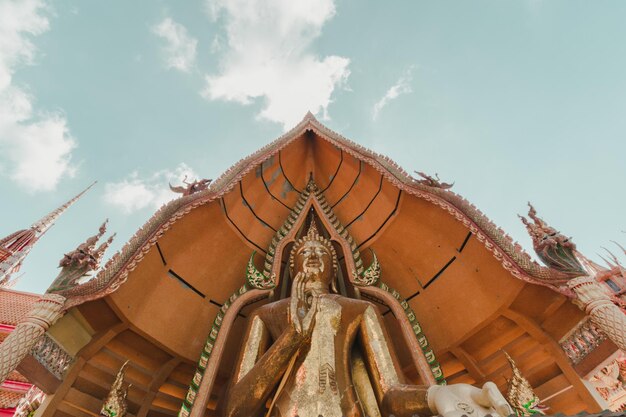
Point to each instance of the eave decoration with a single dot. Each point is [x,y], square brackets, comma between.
[115,402]
[582,279]
[520,394]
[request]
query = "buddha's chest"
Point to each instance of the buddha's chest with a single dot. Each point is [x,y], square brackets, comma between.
[324,338]
[314,388]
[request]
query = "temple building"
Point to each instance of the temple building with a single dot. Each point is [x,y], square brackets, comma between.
[15,305]
[174,322]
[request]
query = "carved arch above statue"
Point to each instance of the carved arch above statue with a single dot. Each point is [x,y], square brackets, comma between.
[262,284]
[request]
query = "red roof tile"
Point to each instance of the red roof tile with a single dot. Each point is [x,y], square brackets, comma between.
[14,305]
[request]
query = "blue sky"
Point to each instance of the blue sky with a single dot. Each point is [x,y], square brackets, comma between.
[514,101]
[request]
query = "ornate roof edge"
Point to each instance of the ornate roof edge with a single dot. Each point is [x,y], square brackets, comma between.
[512,256]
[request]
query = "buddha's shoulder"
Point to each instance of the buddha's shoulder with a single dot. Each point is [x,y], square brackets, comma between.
[273,307]
[282,305]
[352,302]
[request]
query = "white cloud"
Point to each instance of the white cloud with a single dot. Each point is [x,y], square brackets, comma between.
[135,193]
[402,86]
[216,44]
[35,147]
[179,48]
[267,56]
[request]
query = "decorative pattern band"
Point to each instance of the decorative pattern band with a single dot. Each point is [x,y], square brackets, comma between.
[52,356]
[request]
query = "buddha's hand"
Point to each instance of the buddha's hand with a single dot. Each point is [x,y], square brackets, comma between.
[303,306]
[463,399]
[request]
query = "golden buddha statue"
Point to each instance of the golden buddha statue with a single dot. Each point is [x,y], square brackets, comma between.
[319,353]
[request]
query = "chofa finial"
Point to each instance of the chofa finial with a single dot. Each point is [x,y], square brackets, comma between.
[520,394]
[434,182]
[115,402]
[309,116]
[191,187]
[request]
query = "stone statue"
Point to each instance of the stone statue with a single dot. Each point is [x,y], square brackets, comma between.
[319,353]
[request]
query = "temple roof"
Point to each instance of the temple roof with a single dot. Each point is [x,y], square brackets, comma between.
[15,305]
[469,285]
[311,147]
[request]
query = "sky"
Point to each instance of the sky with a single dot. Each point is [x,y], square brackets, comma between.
[513,101]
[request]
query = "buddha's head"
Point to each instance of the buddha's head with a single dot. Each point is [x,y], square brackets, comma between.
[315,256]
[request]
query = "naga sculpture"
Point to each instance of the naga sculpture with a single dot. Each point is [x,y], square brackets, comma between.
[75,266]
[584,276]
[553,248]
[318,353]
[191,187]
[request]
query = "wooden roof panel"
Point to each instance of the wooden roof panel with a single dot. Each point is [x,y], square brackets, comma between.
[275,182]
[424,239]
[255,233]
[266,207]
[469,293]
[344,180]
[327,162]
[194,250]
[296,163]
[364,191]
[158,311]
[374,216]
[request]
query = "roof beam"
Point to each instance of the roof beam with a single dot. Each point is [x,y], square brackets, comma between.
[532,328]
[158,380]
[470,364]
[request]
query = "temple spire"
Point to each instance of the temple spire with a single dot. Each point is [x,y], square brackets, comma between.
[48,220]
[16,246]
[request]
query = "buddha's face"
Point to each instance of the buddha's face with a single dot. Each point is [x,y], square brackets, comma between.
[314,259]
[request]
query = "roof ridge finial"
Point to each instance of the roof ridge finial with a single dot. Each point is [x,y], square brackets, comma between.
[311,185]
[115,402]
[309,117]
[520,394]
[432,181]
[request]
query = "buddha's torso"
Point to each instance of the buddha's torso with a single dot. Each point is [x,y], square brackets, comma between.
[320,383]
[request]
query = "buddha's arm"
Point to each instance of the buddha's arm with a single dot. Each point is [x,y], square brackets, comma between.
[396,398]
[256,378]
